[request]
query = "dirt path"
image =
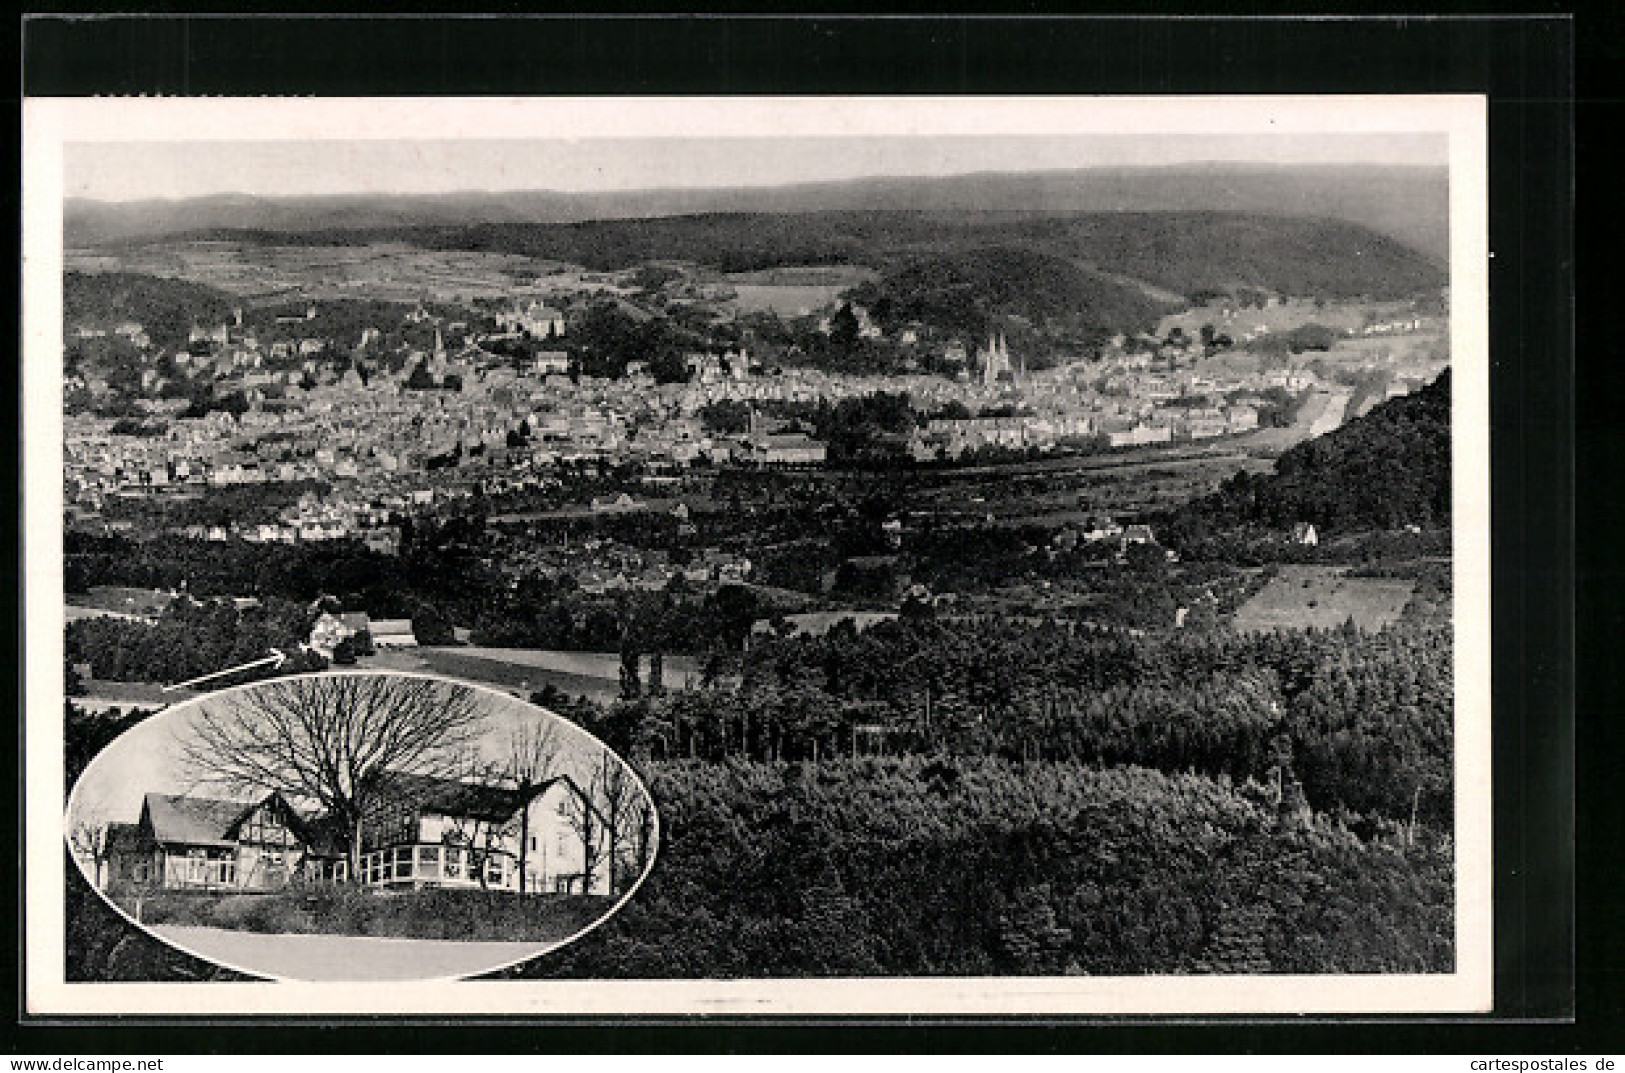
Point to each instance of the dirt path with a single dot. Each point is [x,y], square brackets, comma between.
[345,957]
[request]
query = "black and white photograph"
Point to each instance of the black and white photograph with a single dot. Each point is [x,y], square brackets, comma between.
[782,555]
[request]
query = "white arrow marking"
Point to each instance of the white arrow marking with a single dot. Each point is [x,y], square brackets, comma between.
[276,659]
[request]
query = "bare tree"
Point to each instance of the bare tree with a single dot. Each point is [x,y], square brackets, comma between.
[582,810]
[619,795]
[88,839]
[532,764]
[644,838]
[331,738]
[637,820]
[89,828]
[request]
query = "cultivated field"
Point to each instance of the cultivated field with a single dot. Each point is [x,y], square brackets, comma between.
[1304,597]
[272,274]
[118,600]
[525,670]
[785,301]
[794,290]
[805,276]
[1062,491]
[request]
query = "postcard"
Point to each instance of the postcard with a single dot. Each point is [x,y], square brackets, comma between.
[757,556]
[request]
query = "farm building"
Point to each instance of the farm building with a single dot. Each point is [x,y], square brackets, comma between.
[438,832]
[419,832]
[198,843]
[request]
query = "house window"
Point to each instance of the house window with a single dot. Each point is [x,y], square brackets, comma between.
[403,862]
[454,862]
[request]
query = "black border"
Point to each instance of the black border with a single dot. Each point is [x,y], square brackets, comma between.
[1525,66]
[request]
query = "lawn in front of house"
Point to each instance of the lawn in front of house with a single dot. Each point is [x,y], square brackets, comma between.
[470,915]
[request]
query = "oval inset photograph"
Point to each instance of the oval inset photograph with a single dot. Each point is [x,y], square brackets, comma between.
[362,826]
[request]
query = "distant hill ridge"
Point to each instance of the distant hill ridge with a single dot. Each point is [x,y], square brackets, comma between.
[1405,202]
[1179,252]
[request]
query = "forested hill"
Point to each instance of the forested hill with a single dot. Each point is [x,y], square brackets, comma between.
[965,292]
[1387,469]
[166,308]
[1182,252]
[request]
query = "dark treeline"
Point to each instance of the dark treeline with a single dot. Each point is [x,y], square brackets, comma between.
[1362,720]
[439,568]
[542,614]
[192,638]
[608,339]
[974,867]
[166,308]
[243,505]
[1388,469]
[436,581]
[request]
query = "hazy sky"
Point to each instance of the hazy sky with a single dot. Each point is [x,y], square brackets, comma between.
[180,169]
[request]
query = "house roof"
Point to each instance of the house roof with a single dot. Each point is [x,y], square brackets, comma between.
[453,797]
[449,796]
[193,820]
[205,821]
[383,627]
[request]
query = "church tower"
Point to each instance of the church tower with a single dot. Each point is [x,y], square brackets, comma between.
[439,348]
[996,359]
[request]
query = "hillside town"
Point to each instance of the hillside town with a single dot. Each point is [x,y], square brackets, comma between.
[389,434]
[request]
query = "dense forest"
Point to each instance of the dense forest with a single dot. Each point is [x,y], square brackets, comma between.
[166,308]
[967,292]
[433,568]
[1386,470]
[963,797]
[971,867]
[1362,720]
